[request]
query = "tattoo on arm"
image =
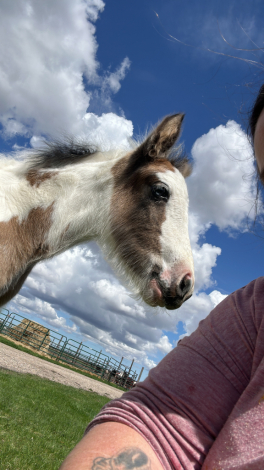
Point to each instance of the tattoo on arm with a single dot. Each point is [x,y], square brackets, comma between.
[130,458]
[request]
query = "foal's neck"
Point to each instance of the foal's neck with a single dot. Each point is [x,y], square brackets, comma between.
[82,206]
[44,212]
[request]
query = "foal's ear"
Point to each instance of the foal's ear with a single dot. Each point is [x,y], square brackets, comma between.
[163,137]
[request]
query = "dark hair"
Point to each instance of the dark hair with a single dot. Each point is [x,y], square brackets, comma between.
[256,111]
[252,122]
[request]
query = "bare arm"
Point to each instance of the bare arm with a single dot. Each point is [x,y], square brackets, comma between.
[110,446]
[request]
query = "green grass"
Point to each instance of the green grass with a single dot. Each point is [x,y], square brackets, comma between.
[41,421]
[6,341]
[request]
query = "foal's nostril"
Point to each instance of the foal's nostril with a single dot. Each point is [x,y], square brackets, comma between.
[156,271]
[185,285]
[170,294]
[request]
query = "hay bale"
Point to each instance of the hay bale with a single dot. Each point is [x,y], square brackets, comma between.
[31,333]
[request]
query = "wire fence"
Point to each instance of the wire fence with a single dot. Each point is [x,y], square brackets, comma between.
[69,351]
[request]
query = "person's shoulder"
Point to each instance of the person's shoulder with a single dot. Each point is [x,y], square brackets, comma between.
[247,302]
[254,287]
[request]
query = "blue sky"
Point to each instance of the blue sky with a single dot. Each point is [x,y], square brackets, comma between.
[125,64]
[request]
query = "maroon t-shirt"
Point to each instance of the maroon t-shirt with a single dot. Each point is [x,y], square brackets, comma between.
[203,405]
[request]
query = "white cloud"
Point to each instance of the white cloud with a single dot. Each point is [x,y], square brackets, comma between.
[205,257]
[220,189]
[112,80]
[164,345]
[221,193]
[149,364]
[108,131]
[216,297]
[47,48]
[122,347]
[44,311]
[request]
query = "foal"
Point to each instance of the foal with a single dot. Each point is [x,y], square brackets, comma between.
[134,205]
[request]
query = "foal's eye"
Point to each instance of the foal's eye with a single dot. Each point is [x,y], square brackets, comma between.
[160,192]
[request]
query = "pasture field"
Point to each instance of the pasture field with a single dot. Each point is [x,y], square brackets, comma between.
[41,421]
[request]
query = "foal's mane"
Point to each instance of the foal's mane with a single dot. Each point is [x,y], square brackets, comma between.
[58,154]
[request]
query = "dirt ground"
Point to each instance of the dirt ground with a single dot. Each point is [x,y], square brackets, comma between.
[19,361]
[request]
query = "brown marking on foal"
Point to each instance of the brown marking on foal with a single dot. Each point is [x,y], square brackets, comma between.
[35,177]
[22,244]
[136,219]
[15,287]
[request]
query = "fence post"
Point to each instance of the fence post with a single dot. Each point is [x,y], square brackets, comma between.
[9,325]
[139,377]
[124,385]
[75,357]
[23,332]
[119,365]
[97,359]
[105,367]
[44,338]
[61,351]
[5,321]
[12,318]
[58,345]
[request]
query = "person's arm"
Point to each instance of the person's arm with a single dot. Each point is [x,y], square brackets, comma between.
[112,446]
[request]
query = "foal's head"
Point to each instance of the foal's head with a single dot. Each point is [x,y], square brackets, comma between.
[149,218]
